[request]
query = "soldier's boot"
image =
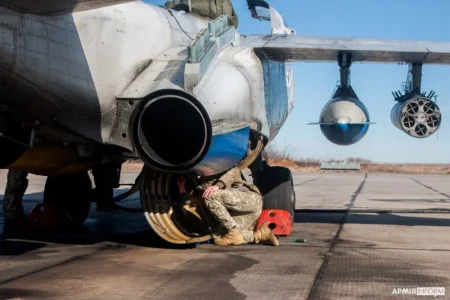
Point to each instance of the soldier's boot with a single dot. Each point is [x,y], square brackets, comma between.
[234,237]
[265,235]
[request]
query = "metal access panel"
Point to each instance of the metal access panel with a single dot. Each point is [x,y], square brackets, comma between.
[340,166]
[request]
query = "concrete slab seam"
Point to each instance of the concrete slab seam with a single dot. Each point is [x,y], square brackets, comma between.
[320,273]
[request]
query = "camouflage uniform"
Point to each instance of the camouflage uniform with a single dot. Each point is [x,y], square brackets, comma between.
[16,186]
[237,205]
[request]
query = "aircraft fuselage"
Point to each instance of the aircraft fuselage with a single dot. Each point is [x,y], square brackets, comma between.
[68,72]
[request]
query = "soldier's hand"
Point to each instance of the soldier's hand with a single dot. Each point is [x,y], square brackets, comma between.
[210,190]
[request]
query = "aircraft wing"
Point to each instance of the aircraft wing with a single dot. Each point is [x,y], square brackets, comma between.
[350,123]
[302,48]
[56,7]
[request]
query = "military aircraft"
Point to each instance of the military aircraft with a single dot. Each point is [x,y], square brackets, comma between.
[88,84]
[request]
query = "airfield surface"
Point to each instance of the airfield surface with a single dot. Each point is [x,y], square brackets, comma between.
[367,237]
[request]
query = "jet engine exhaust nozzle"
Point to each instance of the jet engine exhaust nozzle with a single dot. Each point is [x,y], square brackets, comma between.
[171,131]
[419,117]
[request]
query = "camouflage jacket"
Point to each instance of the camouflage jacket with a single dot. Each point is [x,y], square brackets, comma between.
[231,179]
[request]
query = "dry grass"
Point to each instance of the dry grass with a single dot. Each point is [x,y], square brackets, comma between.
[313,166]
[310,167]
[296,164]
[406,168]
[289,158]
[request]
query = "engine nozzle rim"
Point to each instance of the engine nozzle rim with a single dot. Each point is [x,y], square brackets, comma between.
[143,149]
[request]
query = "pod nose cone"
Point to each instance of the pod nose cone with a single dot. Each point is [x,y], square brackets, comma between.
[342,120]
[343,127]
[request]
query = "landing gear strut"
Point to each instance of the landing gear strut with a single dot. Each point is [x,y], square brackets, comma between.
[106,178]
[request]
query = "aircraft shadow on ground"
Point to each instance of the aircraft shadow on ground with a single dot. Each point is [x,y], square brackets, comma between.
[18,247]
[131,228]
[119,226]
[30,197]
[404,219]
[33,240]
[38,196]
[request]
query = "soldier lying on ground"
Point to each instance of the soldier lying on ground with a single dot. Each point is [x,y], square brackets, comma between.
[237,205]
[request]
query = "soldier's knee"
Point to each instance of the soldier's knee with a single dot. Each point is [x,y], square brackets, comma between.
[210,200]
[212,204]
[214,199]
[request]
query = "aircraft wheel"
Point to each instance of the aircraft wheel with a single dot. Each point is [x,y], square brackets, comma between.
[277,186]
[73,192]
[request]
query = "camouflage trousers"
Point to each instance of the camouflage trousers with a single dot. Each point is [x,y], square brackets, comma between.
[16,186]
[235,209]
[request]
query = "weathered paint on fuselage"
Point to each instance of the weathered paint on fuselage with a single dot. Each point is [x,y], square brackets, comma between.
[72,67]
[86,59]
[278,92]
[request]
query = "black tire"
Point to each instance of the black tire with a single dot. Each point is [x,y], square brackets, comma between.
[277,186]
[72,192]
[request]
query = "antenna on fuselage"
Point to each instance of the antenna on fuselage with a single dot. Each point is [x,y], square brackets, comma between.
[278,25]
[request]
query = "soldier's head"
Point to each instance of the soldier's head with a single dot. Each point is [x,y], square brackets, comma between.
[186,183]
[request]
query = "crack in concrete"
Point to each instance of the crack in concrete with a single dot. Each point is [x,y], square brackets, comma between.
[311,180]
[430,188]
[314,292]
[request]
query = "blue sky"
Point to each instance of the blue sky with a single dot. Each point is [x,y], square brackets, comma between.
[373,83]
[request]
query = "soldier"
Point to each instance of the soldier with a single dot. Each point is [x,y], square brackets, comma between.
[16,186]
[237,205]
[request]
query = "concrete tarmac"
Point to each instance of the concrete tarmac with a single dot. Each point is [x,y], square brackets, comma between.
[369,236]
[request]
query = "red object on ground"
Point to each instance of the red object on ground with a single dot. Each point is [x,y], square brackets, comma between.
[280,221]
[48,217]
